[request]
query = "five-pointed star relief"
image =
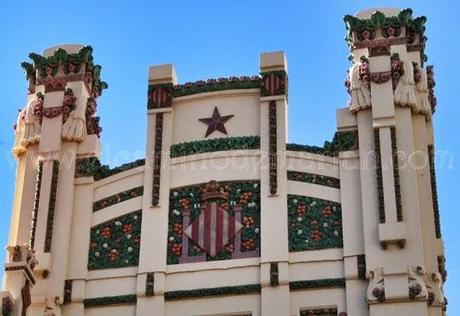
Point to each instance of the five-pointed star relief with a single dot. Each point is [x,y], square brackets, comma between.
[216,122]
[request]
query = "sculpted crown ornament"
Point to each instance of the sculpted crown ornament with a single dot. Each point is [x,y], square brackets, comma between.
[213,190]
[55,70]
[380,30]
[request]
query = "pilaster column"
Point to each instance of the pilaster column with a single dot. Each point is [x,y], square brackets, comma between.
[49,151]
[352,218]
[383,79]
[66,78]
[153,252]
[274,272]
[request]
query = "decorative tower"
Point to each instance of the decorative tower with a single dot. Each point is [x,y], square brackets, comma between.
[392,210]
[54,129]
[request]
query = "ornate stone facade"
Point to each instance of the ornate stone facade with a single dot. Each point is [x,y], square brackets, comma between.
[223,216]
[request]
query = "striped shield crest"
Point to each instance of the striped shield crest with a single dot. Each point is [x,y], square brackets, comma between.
[213,229]
[160,97]
[272,83]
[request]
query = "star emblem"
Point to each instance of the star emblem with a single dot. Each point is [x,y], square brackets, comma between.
[216,122]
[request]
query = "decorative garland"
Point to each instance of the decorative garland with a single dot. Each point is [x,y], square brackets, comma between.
[378,167]
[118,198]
[92,122]
[241,202]
[211,85]
[311,149]
[316,284]
[38,186]
[216,144]
[319,312]
[52,206]
[105,171]
[70,64]
[116,243]
[110,300]
[394,149]
[346,141]
[272,150]
[314,179]
[91,166]
[342,141]
[434,192]
[157,153]
[211,292]
[313,223]
[86,167]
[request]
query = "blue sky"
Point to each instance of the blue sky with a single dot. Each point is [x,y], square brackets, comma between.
[210,39]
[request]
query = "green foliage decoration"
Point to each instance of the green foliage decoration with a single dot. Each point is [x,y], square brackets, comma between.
[110,300]
[313,223]
[316,284]
[314,179]
[118,198]
[116,243]
[210,292]
[211,85]
[216,144]
[49,65]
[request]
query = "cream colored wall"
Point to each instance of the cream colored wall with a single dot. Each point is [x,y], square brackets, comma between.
[314,163]
[222,166]
[118,183]
[243,104]
[221,306]
[119,310]
[111,286]
[326,298]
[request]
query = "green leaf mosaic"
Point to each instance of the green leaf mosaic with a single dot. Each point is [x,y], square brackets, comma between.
[116,243]
[118,198]
[319,312]
[316,284]
[314,179]
[216,144]
[313,223]
[220,84]
[218,291]
[110,300]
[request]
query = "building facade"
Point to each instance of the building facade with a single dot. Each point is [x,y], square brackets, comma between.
[224,217]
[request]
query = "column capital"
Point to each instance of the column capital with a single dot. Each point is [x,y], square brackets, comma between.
[162,74]
[273,61]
